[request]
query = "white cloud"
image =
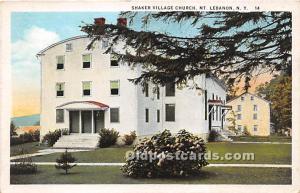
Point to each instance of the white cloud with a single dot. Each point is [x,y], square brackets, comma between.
[25,66]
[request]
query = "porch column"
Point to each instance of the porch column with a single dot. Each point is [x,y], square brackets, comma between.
[80,128]
[93,124]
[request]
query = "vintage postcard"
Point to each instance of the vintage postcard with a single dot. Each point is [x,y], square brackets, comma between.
[137,96]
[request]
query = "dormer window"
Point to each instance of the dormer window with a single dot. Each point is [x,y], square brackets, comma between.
[69,47]
[86,60]
[60,62]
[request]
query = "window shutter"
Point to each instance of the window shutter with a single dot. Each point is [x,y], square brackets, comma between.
[114,84]
[86,85]
[86,57]
[60,59]
[113,57]
[59,86]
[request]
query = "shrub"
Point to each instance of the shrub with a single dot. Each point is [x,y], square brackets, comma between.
[129,139]
[108,137]
[36,135]
[165,150]
[213,136]
[23,166]
[246,132]
[51,137]
[25,138]
[65,161]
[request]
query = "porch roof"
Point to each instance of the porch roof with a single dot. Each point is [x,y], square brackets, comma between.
[83,105]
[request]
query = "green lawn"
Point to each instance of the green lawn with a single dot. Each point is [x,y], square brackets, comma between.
[26,148]
[264,153]
[113,175]
[272,138]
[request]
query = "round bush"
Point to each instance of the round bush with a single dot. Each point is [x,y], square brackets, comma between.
[166,155]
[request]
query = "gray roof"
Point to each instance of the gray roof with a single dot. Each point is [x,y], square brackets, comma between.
[60,42]
[249,94]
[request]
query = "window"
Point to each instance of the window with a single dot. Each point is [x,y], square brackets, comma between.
[239,116]
[254,107]
[104,43]
[170,112]
[86,60]
[239,108]
[114,115]
[59,115]
[147,115]
[114,87]
[254,127]
[69,47]
[146,89]
[242,98]
[170,89]
[240,127]
[60,62]
[252,98]
[113,60]
[60,87]
[157,93]
[158,115]
[86,88]
[254,116]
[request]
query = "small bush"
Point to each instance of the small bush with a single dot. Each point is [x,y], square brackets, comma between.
[51,137]
[65,161]
[23,166]
[129,139]
[213,136]
[108,137]
[166,153]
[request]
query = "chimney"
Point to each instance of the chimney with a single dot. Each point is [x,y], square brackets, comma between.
[99,21]
[122,22]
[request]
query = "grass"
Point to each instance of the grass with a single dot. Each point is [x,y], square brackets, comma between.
[32,147]
[264,153]
[113,175]
[272,138]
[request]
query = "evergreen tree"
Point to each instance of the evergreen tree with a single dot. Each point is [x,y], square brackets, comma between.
[65,161]
[279,92]
[13,129]
[229,45]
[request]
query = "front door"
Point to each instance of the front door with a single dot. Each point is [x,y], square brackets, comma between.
[86,121]
[74,121]
[98,120]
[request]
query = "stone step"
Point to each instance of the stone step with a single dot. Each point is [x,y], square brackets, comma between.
[78,141]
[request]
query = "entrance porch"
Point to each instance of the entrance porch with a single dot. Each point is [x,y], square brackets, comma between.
[86,117]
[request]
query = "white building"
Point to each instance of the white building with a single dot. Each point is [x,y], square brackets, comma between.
[86,90]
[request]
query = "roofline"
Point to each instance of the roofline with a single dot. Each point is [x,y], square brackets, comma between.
[217,80]
[60,42]
[250,94]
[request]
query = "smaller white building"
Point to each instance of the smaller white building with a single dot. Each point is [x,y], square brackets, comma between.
[86,90]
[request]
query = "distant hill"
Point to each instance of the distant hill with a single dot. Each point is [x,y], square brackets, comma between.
[26,120]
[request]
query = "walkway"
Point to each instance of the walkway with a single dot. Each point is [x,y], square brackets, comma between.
[210,165]
[45,152]
[263,142]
